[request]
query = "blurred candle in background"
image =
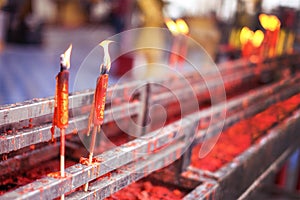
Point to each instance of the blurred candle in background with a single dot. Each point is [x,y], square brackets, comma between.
[172,26]
[183,29]
[272,26]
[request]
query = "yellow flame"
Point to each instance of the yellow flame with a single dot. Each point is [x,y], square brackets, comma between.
[106,59]
[182,26]
[257,38]
[269,22]
[245,35]
[172,26]
[65,58]
[263,19]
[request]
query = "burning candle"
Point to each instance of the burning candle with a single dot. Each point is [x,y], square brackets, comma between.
[245,36]
[184,30]
[97,113]
[61,109]
[172,26]
[272,26]
[251,42]
[179,46]
[257,41]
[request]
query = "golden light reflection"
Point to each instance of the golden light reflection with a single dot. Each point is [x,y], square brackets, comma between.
[172,26]
[257,38]
[269,22]
[182,26]
[245,35]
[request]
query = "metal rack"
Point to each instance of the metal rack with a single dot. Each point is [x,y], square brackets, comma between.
[29,123]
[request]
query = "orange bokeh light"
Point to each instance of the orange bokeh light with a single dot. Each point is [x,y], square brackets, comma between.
[269,22]
[182,26]
[257,38]
[247,35]
[172,26]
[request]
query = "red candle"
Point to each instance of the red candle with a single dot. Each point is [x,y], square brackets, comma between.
[184,30]
[97,113]
[61,109]
[61,106]
[272,26]
[100,96]
[62,103]
[173,59]
[251,42]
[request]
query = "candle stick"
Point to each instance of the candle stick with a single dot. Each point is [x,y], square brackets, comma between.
[184,30]
[246,44]
[173,59]
[96,117]
[272,26]
[61,109]
[251,42]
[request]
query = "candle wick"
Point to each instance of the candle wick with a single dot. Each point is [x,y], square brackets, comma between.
[103,69]
[63,64]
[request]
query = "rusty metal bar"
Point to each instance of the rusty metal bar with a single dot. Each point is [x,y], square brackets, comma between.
[244,112]
[214,190]
[204,191]
[42,133]
[15,141]
[29,159]
[172,135]
[272,169]
[256,159]
[127,174]
[79,174]
[38,107]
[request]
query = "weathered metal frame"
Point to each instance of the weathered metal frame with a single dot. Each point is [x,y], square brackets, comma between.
[79,174]
[121,157]
[234,177]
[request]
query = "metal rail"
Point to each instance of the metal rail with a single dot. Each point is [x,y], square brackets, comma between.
[161,145]
[235,177]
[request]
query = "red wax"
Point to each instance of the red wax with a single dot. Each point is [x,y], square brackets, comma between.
[61,114]
[144,190]
[26,177]
[100,95]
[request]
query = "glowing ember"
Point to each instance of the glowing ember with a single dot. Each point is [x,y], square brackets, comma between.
[147,191]
[29,176]
[85,161]
[240,136]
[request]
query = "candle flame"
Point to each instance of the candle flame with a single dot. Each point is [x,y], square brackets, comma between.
[105,67]
[182,26]
[247,35]
[258,38]
[269,22]
[172,26]
[65,58]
